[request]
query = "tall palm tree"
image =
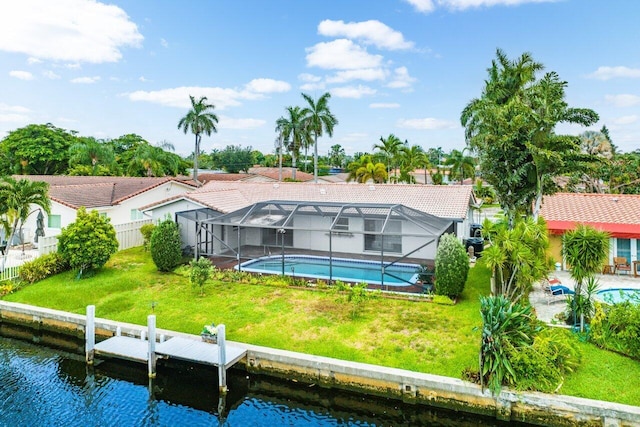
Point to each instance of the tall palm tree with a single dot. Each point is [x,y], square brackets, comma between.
[318,119]
[291,129]
[410,158]
[200,119]
[390,147]
[424,161]
[461,166]
[16,199]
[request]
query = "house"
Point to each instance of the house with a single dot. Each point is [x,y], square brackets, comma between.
[115,197]
[346,217]
[262,174]
[616,214]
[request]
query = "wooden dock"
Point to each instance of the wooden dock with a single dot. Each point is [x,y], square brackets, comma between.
[147,349]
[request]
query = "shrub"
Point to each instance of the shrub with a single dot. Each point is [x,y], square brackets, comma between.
[543,365]
[146,231]
[452,266]
[165,246]
[88,243]
[43,267]
[617,328]
[199,273]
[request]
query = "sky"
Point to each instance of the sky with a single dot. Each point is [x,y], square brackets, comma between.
[402,67]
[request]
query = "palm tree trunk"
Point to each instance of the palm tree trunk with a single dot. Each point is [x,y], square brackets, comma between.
[294,164]
[315,158]
[195,160]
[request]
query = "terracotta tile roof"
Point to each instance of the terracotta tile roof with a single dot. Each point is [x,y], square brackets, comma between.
[287,173]
[617,213]
[96,191]
[206,177]
[446,201]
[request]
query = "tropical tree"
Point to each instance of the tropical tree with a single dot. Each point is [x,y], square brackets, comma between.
[200,119]
[593,177]
[291,129]
[424,162]
[92,153]
[233,159]
[318,119]
[461,166]
[17,199]
[512,128]
[365,169]
[337,156]
[149,160]
[389,147]
[410,159]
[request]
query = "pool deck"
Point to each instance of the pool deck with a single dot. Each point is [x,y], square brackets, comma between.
[547,309]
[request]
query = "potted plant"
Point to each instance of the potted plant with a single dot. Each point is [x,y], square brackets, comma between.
[210,333]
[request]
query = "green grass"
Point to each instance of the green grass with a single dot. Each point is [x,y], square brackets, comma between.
[418,336]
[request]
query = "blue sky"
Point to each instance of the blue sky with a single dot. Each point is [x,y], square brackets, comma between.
[406,67]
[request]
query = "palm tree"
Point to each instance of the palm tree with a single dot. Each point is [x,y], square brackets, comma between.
[17,197]
[200,119]
[410,159]
[291,129]
[149,160]
[318,119]
[88,151]
[424,161]
[365,169]
[461,165]
[390,147]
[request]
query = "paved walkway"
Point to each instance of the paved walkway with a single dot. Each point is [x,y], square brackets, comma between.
[547,309]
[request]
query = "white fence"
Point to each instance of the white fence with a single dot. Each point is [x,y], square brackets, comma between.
[9,273]
[128,235]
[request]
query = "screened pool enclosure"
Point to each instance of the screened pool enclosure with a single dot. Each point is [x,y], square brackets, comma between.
[383,235]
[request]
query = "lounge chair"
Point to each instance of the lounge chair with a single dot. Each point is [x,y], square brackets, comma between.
[621,264]
[556,291]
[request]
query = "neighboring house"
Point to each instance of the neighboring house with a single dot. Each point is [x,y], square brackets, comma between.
[616,214]
[117,198]
[436,203]
[262,174]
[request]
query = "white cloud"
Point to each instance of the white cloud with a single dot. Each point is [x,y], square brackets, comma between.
[67,30]
[368,32]
[427,6]
[366,74]
[306,77]
[164,43]
[626,120]
[623,100]
[32,60]
[384,105]
[341,54]
[231,123]
[13,114]
[73,66]
[423,6]
[428,123]
[22,75]
[355,92]
[607,73]
[313,86]
[13,108]
[401,79]
[354,137]
[85,80]
[179,97]
[50,75]
[267,86]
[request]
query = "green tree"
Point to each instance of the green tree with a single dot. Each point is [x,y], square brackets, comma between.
[291,129]
[452,266]
[200,119]
[165,246]
[512,128]
[233,159]
[36,150]
[410,159]
[461,166]
[199,273]
[364,169]
[149,160]
[318,119]
[92,153]
[595,174]
[389,147]
[17,200]
[337,156]
[88,242]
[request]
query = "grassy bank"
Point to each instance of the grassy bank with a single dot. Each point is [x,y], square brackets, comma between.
[418,336]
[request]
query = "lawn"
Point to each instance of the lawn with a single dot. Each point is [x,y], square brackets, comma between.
[418,336]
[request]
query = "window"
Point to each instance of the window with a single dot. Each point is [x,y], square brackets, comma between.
[390,242]
[136,215]
[624,248]
[54,221]
[341,225]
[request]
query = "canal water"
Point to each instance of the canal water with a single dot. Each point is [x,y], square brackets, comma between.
[44,381]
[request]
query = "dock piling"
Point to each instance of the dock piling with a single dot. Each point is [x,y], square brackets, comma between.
[151,325]
[222,360]
[90,333]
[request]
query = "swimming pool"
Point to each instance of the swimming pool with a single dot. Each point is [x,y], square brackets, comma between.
[347,270]
[617,295]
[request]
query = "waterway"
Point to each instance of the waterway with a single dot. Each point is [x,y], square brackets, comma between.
[45,382]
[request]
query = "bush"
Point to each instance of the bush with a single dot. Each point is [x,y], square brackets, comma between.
[88,243]
[199,273]
[617,328]
[543,365]
[165,246]
[43,267]
[146,231]
[452,266]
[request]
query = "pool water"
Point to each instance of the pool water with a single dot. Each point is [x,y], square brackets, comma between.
[615,296]
[347,270]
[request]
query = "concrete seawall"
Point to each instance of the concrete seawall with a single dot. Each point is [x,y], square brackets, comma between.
[408,386]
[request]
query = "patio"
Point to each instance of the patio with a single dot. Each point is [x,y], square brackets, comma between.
[547,311]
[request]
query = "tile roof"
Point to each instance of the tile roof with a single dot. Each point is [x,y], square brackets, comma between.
[446,201]
[287,173]
[616,213]
[96,191]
